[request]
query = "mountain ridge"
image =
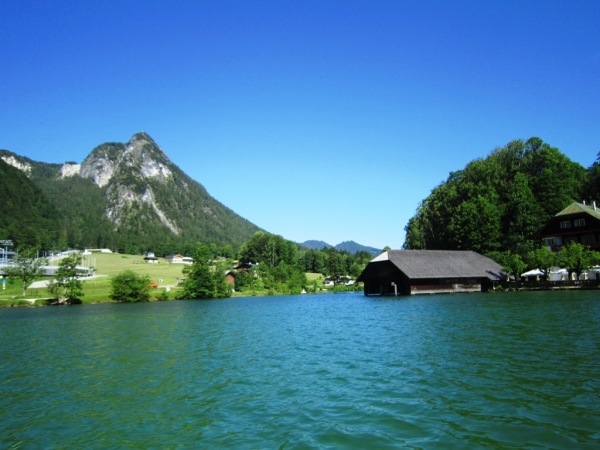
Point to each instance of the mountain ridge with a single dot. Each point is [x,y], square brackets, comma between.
[349,246]
[135,197]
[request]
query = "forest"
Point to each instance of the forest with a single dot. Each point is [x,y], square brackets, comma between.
[277,266]
[497,203]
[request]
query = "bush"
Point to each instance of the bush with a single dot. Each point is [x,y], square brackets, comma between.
[130,287]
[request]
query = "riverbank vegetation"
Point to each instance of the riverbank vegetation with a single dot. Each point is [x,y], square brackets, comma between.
[266,265]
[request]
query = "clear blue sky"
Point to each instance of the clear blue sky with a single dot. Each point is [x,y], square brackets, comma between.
[322,119]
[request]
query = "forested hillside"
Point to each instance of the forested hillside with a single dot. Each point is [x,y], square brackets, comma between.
[126,197]
[499,202]
[26,215]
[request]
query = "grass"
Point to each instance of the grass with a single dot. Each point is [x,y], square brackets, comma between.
[314,276]
[96,290]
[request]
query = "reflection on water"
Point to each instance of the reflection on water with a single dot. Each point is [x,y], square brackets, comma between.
[323,371]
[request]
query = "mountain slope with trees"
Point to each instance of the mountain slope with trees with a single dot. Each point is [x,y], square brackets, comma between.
[27,216]
[498,202]
[127,197]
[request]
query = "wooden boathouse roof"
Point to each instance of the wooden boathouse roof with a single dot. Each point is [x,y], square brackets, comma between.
[430,264]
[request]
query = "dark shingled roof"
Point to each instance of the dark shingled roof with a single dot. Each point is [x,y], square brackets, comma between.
[417,264]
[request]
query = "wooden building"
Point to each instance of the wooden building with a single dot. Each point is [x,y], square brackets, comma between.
[578,222]
[410,272]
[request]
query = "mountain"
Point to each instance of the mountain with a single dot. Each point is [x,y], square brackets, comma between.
[315,245]
[132,197]
[348,246]
[352,247]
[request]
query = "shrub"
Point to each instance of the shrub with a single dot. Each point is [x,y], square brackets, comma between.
[130,287]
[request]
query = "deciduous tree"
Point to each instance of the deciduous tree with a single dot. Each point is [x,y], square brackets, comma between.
[128,286]
[26,267]
[65,284]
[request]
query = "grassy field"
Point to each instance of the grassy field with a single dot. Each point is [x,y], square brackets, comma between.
[97,289]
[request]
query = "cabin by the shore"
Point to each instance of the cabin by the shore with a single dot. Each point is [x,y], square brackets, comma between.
[410,272]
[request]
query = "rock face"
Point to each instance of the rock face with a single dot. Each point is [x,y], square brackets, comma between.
[132,195]
[128,172]
[10,159]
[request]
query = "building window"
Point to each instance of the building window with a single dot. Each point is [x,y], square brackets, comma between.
[587,239]
[565,224]
[579,222]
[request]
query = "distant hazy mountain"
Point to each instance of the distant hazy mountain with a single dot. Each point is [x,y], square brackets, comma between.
[131,197]
[316,245]
[349,246]
[352,247]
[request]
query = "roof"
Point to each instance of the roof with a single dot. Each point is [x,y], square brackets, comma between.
[419,264]
[576,208]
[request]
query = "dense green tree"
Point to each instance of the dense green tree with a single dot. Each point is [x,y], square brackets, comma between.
[269,249]
[511,263]
[542,259]
[65,285]
[130,287]
[204,279]
[497,203]
[26,218]
[592,187]
[576,258]
[26,267]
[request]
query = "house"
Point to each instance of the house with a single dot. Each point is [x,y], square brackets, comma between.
[410,272]
[230,277]
[178,259]
[150,258]
[245,267]
[578,222]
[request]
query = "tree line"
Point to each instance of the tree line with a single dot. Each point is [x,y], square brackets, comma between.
[497,203]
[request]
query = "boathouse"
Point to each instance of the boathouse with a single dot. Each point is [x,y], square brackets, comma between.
[410,272]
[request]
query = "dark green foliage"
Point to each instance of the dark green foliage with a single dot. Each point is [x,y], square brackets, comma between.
[65,285]
[27,217]
[592,188]
[511,263]
[205,279]
[269,249]
[80,204]
[576,257]
[130,287]
[542,259]
[499,202]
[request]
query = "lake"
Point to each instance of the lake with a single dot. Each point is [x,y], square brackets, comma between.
[509,370]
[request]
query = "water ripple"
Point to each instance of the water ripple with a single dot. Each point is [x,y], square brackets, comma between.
[474,371]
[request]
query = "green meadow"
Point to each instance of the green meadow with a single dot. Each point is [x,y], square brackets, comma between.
[97,289]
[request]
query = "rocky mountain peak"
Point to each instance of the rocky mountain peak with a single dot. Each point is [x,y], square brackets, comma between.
[140,157]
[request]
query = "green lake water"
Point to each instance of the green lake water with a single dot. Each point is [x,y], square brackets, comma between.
[510,370]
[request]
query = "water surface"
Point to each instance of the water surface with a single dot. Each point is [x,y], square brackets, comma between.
[518,370]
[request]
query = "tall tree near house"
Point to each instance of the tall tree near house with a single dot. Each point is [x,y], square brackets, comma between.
[511,263]
[542,259]
[203,280]
[26,267]
[576,258]
[66,286]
